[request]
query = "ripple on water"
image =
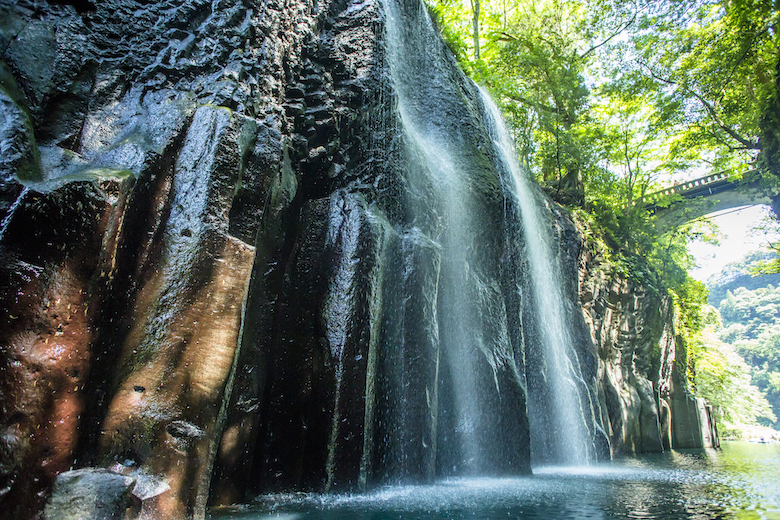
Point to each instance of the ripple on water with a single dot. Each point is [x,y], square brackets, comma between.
[739,482]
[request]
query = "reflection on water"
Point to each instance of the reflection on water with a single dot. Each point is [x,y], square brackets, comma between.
[740,481]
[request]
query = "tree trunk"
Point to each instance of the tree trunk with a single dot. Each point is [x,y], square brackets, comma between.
[475,23]
[769,141]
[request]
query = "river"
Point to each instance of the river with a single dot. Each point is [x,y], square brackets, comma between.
[739,481]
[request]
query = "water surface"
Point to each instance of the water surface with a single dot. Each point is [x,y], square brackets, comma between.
[739,481]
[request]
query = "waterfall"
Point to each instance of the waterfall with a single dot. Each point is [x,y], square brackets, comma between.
[558,398]
[429,147]
[482,426]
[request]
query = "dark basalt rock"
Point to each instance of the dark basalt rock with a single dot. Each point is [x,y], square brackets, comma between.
[636,362]
[81,6]
[219,274]
[95,494]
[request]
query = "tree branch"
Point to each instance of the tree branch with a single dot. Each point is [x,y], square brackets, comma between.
[535,104]
[505,37]
[613,35]
[475,24]
[748,144]
[746,52]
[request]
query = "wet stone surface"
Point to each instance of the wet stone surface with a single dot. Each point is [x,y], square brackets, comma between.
[230,264]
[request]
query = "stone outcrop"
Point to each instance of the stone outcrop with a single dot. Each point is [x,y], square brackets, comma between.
[213,273]
[643,399]
[90,493]
[222,272]
[632,330]
[138,144]
[693,421]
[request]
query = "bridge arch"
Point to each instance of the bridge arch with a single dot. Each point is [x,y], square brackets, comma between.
[710,194]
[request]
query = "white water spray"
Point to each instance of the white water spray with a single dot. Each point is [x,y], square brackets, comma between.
[11,210]
[429,145]
[481,426]
[565,416]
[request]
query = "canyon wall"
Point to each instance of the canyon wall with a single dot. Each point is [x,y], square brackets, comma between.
[226,269]
[644,400]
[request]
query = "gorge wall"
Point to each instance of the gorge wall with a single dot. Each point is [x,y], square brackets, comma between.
[233,259]
[642,373]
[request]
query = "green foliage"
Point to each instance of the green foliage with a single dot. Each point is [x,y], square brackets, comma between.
[707,66]
[753,310]
[767,266]
[724,379]
[745,273]
[613,96]
[769,157]
[751,327]
[448,15]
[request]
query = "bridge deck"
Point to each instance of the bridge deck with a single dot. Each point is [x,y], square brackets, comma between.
[703,186]
[716,192]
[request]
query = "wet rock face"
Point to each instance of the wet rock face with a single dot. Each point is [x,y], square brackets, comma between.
[635,360]
[138,145]
[90,493]
[213,276]
[220,274]
[51,254]
[633,331]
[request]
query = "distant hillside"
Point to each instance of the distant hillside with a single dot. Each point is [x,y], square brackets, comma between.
[749,307]
[736,274]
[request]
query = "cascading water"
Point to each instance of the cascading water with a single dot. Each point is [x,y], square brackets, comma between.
[559,403]
[11,210]
[482,426]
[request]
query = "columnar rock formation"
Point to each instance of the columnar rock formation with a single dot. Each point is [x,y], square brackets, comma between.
[220,275]
[642,381]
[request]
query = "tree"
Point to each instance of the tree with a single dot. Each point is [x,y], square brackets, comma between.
[709,64]
[724,379]
[751,330]
[535,60]
[701,70]
[475,25]
[745,273]
[544,52]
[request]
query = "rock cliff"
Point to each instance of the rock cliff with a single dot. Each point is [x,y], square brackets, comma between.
[227,264]
[644,401]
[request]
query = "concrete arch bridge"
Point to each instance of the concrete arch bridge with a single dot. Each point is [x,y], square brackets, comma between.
[710,194]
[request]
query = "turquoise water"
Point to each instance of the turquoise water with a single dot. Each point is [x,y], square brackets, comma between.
[739,481]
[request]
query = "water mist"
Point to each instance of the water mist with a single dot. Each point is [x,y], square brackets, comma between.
[559,404]
[482,426]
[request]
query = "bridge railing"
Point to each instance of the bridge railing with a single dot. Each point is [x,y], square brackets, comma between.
[685,186]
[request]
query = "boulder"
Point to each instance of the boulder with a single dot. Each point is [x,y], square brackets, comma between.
[89,494]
